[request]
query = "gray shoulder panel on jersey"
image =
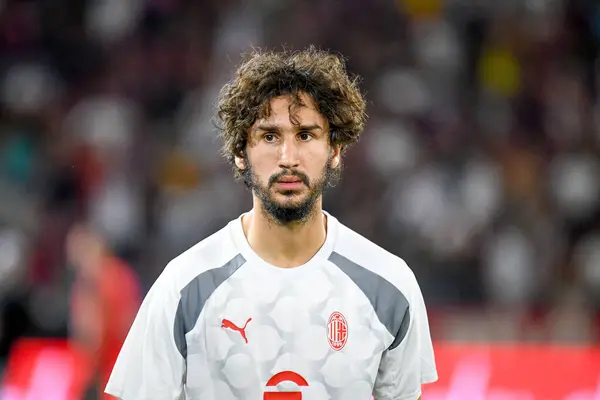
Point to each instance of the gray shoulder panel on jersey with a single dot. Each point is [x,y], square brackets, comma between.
[195,295]
[389,303]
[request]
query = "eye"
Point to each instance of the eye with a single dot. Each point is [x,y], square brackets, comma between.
[269,137]
[304,136]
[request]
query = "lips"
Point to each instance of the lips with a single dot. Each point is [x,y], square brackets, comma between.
[289,179]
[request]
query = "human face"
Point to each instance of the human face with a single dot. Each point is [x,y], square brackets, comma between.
[289,160]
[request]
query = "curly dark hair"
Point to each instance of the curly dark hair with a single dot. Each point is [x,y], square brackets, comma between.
[264,75]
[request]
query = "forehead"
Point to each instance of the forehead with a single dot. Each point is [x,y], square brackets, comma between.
[284,111]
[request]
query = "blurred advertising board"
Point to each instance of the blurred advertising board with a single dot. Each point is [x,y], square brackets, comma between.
[41,369]
[44,369]
[516,372]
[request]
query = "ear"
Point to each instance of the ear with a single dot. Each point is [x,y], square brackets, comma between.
[336,156]
[240,162]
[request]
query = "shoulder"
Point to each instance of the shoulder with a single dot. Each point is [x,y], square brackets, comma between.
[213,252]
[359,250]
[385,280]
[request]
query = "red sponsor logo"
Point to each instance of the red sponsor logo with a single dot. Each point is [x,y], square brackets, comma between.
[227,324]
[337,331]
[284,376]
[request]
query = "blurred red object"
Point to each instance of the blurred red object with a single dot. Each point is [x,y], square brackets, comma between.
[516,372]
[48,369]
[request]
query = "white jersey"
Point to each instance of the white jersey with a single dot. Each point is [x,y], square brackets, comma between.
[220,323]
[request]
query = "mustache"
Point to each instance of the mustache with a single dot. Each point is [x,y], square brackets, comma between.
[302,177]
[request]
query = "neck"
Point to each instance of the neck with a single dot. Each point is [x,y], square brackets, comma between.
[288,245]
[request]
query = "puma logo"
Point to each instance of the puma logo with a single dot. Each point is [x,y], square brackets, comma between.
[227,324]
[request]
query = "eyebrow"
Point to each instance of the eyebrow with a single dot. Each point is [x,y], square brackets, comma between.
[275,128]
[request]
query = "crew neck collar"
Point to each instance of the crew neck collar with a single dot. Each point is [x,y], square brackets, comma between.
[250,255]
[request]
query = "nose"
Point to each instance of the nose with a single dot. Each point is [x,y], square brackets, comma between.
[289,154]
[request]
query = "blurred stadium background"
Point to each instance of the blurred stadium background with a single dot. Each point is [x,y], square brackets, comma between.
[479,166]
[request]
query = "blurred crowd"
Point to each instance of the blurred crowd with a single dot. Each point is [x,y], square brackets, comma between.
[479,166]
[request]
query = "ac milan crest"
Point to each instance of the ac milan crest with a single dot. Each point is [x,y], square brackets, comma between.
[337,331]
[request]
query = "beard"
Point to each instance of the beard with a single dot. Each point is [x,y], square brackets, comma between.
[299,205]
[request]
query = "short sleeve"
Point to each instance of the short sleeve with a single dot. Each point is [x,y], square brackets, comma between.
[150,366]
[405,368]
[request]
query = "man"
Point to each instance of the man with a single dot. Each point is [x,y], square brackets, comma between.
[101,311]
[284,302]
